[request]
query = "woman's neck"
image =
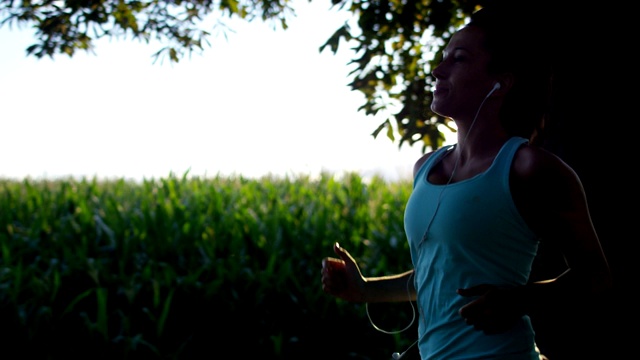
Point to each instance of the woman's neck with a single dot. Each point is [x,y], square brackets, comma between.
[479,144]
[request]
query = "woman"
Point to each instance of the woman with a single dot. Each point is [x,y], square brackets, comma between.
[480,209]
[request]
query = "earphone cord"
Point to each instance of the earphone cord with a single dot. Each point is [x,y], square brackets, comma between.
[398,356]
[413,313]
[455,166]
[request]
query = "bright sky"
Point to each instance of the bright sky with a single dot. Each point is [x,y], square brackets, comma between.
[262,102]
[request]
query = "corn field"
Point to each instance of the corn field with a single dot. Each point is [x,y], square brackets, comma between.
[207,268]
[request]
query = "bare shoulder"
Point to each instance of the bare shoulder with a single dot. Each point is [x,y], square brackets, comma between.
[537,164]
[418,164]
[545,189]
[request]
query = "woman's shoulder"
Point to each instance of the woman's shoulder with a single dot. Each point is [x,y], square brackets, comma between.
[423,159]
[532,162]
[418,164]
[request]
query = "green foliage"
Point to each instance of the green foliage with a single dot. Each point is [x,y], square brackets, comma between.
[396,43]
[64,27]
[177,267]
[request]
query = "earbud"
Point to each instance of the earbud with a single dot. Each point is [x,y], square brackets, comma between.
[496,86]
[398,356]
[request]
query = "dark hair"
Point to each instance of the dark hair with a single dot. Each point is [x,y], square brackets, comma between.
[518,46]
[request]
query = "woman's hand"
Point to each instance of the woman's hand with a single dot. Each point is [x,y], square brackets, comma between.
[342,277]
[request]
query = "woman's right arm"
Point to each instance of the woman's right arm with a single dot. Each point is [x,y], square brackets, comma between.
[341,277]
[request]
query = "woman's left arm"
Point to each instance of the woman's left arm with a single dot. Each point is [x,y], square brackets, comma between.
[550,197]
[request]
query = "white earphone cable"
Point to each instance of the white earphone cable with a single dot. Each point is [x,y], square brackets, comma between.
[397,355]
[413,313]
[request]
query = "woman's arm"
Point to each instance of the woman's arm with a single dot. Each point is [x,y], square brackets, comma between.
[551,199]
[341,277]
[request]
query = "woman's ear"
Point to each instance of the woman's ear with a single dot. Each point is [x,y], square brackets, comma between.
[505,82]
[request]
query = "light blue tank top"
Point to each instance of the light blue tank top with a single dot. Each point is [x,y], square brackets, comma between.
[477,236]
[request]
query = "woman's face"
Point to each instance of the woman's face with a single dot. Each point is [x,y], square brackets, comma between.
[462,79]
